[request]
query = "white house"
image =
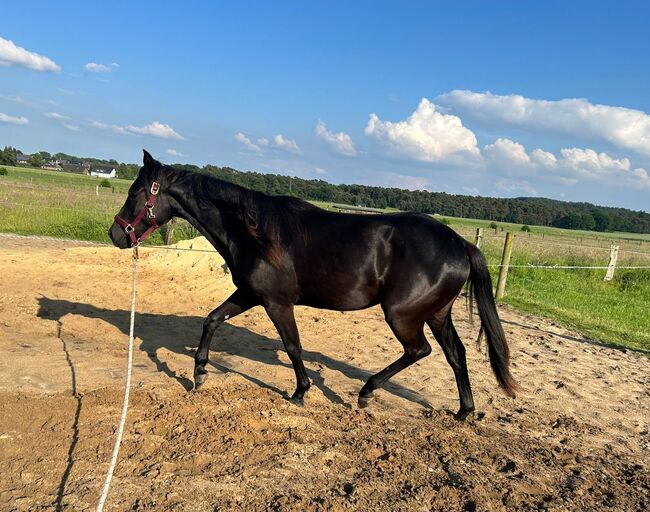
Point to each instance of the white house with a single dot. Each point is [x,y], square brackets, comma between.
[103,172]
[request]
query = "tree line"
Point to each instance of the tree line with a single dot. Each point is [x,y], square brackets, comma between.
[520,210]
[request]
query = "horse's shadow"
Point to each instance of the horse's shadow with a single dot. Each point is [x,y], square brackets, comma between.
[176,333]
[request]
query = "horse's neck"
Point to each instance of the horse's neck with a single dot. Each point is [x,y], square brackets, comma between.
[208,221]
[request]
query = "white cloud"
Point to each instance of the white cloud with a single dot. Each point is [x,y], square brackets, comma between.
[72,127]
[589,163]
[93,67]
[472,191]
[508,158]
[427,135]
[543,159]
[242,139]
[390,179]
[289,145]
[10,54]
[507,185]
[4,118]
[278,142]
[507,152]
[340,142]
[173,152]
[624,127]
[155,129]
[56,115]
[13,98]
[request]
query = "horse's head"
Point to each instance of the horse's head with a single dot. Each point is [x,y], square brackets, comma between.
[146,207]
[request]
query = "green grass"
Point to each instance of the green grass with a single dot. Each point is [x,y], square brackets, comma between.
[42,177]
[615,312]
[54,203]
[65,205]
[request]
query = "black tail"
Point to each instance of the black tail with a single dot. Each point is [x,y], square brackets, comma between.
[481,289]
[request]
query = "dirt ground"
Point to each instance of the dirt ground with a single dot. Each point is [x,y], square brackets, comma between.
[576,438]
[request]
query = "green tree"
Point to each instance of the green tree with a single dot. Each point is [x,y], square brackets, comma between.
[35,160]
[8,156]
[602,219]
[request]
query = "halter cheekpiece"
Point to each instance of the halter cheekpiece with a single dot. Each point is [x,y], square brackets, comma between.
[129,227]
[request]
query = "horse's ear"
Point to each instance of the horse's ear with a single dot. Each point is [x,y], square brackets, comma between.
[148,161]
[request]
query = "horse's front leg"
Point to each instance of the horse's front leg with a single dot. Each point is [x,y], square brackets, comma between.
[284,321]
[237,303]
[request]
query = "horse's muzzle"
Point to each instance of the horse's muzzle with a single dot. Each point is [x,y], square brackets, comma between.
[118,236]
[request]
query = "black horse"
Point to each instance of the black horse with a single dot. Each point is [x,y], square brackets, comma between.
[283,252]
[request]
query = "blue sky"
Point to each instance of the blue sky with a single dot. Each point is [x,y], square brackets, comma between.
[492,98]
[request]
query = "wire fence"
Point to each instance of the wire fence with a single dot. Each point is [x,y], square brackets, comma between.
[211,251]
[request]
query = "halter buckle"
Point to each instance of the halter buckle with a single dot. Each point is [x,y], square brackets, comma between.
[128,228]
[155,187]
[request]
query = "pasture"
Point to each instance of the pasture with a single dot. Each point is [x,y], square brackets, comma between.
[37,202]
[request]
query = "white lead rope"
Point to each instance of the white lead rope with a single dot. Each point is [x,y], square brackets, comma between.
[127,389]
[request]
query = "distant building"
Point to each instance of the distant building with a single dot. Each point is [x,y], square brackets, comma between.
[52,165]
[103,172]
[22,159]
[75,166]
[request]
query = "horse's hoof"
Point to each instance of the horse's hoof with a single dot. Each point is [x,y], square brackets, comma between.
[462,414]
[364,401]
[299,402]
[199,380]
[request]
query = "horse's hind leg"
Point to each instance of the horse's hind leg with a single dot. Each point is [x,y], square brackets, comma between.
[445,333]
[411,335]
[237,303]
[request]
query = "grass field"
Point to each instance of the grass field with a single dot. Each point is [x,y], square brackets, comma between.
[65,205]
[53,203]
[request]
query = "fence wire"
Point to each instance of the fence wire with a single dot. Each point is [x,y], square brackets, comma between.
[186,249]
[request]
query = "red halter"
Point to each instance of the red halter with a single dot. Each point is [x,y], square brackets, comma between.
[129,228]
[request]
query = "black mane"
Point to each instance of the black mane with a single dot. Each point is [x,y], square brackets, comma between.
[268,219]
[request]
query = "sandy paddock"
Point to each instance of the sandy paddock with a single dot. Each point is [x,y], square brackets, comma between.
[577,437]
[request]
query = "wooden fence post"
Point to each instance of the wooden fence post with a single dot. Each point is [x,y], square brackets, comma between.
[503,269]
[169,234]
[613,256]
[478,238]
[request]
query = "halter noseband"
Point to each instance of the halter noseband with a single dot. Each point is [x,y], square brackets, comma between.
[129,228]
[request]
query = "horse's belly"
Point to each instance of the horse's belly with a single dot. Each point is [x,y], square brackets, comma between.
[329,296]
